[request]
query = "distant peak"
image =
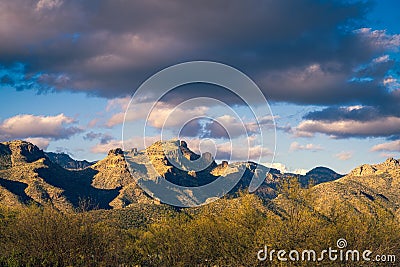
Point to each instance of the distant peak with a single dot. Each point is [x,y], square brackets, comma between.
[320,169]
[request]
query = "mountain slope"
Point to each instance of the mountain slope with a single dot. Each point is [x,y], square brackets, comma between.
[368,190]
[46,183]
[65,161]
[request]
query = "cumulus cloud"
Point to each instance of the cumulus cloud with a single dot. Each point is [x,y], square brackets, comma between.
[161,115]
[311,147]
[31,126]
[344,155]
[169,116]
[379,39]
[388,146]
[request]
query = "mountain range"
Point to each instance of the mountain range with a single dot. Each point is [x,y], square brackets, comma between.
[27,174]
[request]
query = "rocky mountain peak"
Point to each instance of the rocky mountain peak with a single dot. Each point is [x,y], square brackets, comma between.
[22,152]
[115,152]
[389,165]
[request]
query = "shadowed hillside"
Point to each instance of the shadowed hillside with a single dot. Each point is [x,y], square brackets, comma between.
[65,161]
[25,165]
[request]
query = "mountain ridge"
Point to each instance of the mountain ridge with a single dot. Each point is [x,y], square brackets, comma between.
[110,184]
[67,162]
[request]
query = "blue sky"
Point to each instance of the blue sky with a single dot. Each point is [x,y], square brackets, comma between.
[329,70]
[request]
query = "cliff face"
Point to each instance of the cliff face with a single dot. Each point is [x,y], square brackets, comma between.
[113,173]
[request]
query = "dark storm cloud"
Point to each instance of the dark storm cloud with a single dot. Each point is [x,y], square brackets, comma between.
[304,52]
[109,47]
[215,130]
[344,113]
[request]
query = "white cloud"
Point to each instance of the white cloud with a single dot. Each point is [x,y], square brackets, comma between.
[161,115]
[30,126]
[388,146]
[379,39]
[48,4]
[116,119]
[311,147]
[356,107]
[276,165]
[284,169]
[381,59]
[164,115]
[120,103]
[344,155]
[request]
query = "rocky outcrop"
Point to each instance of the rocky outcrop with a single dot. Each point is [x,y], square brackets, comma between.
[112,172]
[366,169]
[115,152]
[362,170]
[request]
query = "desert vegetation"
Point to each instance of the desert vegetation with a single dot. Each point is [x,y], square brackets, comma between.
[228,232]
